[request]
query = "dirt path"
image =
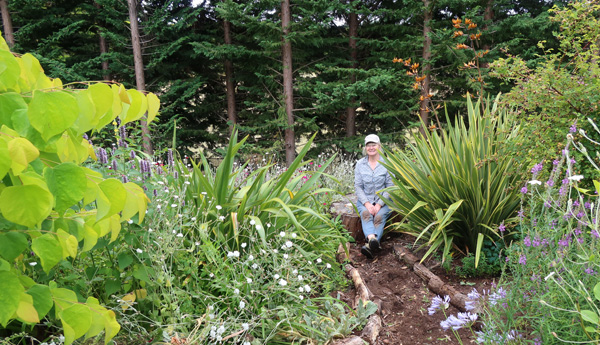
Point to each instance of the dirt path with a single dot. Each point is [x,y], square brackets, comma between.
[404,297]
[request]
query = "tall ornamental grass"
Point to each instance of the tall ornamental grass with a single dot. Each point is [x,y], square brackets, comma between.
[455,186]
[552,279]
[289,199]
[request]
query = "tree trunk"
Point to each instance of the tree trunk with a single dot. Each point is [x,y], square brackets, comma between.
[351,110]
[488,17]
[424,108]
[229,83]
[7,23]
[103,49]
[139,68]
[288,91]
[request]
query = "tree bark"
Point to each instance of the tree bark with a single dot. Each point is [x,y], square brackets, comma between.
[351,110]
[288,91]
[103,49]
[488,17]
[7,23]
[229,83]
[424,107]
[139,68]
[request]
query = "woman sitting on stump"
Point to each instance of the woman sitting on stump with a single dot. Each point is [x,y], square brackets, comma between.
[371,177]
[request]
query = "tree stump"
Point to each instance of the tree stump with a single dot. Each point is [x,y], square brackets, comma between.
[350,220]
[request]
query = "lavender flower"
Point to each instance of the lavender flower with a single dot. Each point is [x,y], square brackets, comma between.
[524,190]
[527,241]
[523,260]
[437,302]
[170,158]
[132,154]
[124,179]
[114,165]
[499,295]
[502,228]
[573,128]
[536,169]
[102,156]
[452,322]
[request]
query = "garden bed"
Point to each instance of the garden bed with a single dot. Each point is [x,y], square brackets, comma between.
[403,296]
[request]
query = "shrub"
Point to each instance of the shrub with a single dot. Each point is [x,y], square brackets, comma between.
[53,210]
[456,187]
[553,270]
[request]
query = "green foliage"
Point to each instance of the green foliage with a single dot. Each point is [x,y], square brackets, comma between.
[560,92]
[457,186]
[553,270]
[53,209]
[232,195]
[484,268]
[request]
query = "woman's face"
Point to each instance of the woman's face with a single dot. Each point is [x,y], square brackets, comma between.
[372,149]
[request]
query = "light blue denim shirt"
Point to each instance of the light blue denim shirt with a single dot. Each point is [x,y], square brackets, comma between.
[367,181]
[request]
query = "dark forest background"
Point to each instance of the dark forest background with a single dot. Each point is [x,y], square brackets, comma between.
[216,63]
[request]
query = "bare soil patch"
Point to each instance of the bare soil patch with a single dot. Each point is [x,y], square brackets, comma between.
[404,297]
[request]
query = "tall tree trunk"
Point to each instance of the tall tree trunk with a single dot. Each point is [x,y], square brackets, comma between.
[7,23]
[424,108]
[139,67]
[229,83]
[488,17]
[351,110]
[288,90]
[103,48]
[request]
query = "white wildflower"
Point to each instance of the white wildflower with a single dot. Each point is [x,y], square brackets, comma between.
[319,260]
[250,257]
[180,235]
[130,221]
[249,280]
[276,276]
[285,256]
[221,218]
[268,225]
[244,245]
[32,264]
[246,327]
[242,304]
[282,234]
[150,230]
[301,289]
[306,288]
[289,244]
[252,222]
[193,219]
[173,205]
[236,291]
[254,266]
[535,182]
[218,207]
[282,282]
[576,178]
[294,235]
[328,265]
[139,251]
[300,278]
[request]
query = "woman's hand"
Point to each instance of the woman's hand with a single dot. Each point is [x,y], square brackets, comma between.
[373,209]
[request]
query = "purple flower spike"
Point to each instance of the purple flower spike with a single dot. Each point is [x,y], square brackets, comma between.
[502,228]
[524,190]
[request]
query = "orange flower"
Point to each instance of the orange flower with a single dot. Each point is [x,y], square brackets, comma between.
[414,66]
[456,21]
[458,33]
[472,26]
[416,86]
[396,60]
[462,46]
[468,21]
[419,79]
[475,36]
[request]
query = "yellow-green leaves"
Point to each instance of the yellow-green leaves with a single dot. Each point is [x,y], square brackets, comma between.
[51,113]
[10,287]
[21,152]
[58,207]
[48,249]
[26,205]
[153,105]
[68,184]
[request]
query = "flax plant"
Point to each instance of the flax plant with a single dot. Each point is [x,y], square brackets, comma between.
[455,186]
[233,198]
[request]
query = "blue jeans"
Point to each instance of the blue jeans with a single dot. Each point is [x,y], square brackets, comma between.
[373,225]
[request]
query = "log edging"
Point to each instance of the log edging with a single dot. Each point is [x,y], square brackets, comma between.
[434,283]
[370,332]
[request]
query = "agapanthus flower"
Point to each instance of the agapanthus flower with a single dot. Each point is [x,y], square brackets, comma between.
[438,302]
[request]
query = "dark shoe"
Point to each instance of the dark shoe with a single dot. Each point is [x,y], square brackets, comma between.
[374,245]
[366,251]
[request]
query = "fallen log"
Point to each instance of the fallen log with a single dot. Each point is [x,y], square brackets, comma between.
[353,340]
[434,283]
[371,330]
[342,253]
[362,292]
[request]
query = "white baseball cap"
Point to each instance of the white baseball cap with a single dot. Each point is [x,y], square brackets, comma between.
[372,138]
